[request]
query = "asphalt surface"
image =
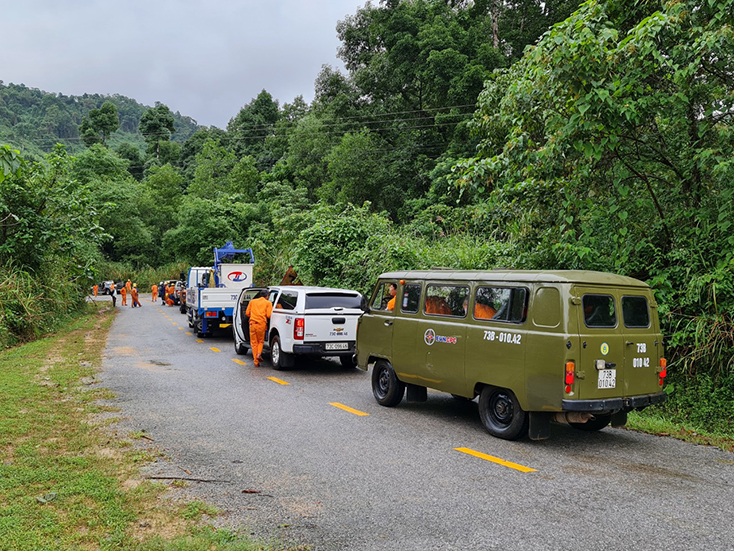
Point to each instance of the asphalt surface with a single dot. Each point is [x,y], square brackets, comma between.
[284,463]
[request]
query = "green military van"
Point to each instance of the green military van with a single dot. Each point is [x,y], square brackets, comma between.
[578,347]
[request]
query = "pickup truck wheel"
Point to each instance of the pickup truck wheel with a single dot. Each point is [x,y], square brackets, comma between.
[501,413]
[239,347]
[278,358]
[386,386]
[597,423]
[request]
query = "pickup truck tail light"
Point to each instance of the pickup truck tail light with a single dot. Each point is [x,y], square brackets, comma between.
[570,375]
[299,329]
[663,371]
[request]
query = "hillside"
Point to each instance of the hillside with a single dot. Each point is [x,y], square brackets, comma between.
[33,120]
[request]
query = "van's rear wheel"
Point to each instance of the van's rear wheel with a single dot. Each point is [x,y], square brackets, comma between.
[501,413]
[597,423]
[386,386]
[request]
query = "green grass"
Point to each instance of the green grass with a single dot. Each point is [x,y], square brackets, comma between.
[65,482]
[656,422]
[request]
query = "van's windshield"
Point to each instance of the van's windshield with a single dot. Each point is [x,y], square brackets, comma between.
[316,301]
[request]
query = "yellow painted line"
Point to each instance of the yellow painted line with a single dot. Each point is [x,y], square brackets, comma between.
[189,334]
[235,360]
[214,349]
[497,460]
[180,328]
[279,381]
[199,340]
[174,323]
[347,408]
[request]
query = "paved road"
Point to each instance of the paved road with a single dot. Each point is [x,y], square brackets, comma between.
[287,461]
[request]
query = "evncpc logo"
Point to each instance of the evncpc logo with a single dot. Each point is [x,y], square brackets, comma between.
[237,276]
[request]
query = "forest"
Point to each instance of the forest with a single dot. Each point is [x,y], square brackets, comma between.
[466,134]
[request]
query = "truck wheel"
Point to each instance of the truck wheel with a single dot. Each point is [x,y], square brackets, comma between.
[501,413]
[597,423]
[347,361]
[278,358]
[386,386]
[198,324]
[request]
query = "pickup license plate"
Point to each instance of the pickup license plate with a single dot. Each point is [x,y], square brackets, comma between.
[336,346]
[607,378]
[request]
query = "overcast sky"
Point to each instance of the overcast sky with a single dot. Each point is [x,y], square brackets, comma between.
[205,59]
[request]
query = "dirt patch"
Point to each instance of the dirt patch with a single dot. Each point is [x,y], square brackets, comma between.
[125,351]
[151,366]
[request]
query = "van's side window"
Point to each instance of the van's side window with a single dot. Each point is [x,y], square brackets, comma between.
[384,297]
[287,300]
[501,304]
[635,312]
[411,298]
[599,311]
[446,300]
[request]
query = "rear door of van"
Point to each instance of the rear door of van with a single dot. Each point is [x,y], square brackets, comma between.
[643,341]
[601,371]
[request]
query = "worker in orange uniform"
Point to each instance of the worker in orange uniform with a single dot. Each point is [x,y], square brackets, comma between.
[134,295]
[169,295]
[393,292]
[123,292]
[94,288]
[128,286]
[154,291]
[258,311]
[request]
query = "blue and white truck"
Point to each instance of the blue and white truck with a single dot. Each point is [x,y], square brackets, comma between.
[211,292]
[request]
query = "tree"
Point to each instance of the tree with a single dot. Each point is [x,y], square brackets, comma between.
[156,125]
[253,125]
[100,124]
[609,147]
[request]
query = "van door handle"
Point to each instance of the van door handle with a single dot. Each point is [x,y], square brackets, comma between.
[629,343]
[388,323]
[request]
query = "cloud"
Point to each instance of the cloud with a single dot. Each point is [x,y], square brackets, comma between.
[203,59]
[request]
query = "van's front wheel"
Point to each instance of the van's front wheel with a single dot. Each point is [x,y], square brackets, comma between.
[386,386]
[501,413]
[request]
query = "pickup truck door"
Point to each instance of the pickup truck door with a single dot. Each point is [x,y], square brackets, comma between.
[240,321]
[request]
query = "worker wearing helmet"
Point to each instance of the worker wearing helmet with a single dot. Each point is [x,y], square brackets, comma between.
[154,292]
[259,311]
[134,295]
[123,292]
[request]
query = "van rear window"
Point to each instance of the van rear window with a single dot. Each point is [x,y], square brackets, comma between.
[635,312]
[599,311]
[316,301]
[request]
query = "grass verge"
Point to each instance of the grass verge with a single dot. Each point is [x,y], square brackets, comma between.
[65,483]
[656,422]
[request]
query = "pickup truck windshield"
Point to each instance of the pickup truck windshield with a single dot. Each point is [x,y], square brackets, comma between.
[315,301]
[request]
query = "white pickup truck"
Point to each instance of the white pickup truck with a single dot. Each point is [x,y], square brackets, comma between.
[306,321]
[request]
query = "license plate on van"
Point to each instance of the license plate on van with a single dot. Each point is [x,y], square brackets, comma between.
[336,346]
[607,378]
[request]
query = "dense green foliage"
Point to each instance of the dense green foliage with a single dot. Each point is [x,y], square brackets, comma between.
[34,121]
[467,134]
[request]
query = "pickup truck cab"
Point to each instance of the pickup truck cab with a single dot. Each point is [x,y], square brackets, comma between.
[306,321]
[576,347]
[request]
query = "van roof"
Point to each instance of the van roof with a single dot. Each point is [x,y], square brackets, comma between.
[539,276]
[307,289]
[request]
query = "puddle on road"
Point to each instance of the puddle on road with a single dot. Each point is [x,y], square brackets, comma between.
[154,366]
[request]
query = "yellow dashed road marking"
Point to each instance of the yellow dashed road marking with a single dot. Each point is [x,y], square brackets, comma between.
[199,340]
[214,349]
[347,408]
[235,360]
[279,381]
[497,460]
